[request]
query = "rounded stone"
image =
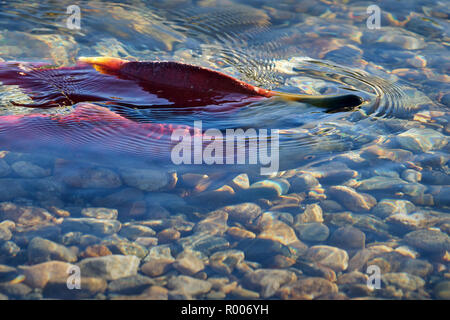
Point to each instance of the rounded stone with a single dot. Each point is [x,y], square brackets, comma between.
[429,240]
[442,290]
[348,237]
[313,231]
[331,257]
[352,200]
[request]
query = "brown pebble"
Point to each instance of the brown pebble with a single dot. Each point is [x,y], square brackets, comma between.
[97,250]
[168,235]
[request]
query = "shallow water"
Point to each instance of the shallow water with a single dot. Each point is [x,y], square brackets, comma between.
[382,168]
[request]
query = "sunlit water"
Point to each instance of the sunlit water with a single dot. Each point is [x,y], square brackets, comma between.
[400,70]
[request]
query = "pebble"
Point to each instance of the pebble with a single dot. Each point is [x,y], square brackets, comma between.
[25,216]
[6,229]
[416,267]
[26,169]
[263,250]
[244,213]
[158,261]
[215,223]
[91,225]
[303,182]
[279,231]
[411,175]
[146,179]
[348,237]
[89,287]
[39,275]
[5,169]
[387,184]
[403,280]
[168,235]
[240,234]
[388,207]
[100,213]
[188,263]
[130,285]
[312,213]
[41,250]
[314,231]
[422,140]
[240,182]
[119,245]
[110,267]
[268,281]
[96,250]
[17,290]
[187,287]
[351,199]
[331,257]
[265,189]
[225,261]
[87,178]
[308,288]
[428,240]
[442,290]
[331,206]
[134,231]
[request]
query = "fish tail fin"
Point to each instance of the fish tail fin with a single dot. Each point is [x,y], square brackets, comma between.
[331,102]
[110,63]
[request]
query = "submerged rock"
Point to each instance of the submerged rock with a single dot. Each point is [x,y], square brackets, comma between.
[41,250]
[25,216]
[245,213]
[388,207]
[100,213]
[442,290]
[351,199]
[188,263]
[422,140]
[186,287]
[91,225]
[331,257]
[314,231]
[111,267]
[226,261]
[308,288]
[39,275]
[428,240]
[268,281]
[146,179]
[312,213]
[27,169]
[348,237]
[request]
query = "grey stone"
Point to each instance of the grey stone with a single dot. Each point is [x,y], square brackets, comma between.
[110,267]
[91,225]
[41,250]
[100,213]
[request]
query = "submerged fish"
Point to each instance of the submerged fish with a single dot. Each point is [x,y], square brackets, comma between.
[145,84]
[92,130]
[89,130]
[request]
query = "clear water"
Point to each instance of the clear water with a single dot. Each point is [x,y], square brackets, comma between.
[325,47]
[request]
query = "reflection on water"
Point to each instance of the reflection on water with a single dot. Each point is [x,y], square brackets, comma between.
[355,189]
